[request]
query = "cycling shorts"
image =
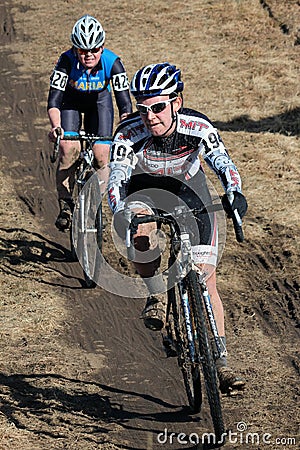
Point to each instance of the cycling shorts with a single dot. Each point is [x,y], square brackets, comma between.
[93,112]
[195,194]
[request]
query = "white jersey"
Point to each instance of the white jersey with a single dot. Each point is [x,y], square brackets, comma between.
[136,153]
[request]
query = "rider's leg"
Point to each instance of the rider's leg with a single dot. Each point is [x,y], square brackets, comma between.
[227,378]
[101,152]
[69,152]
[215,299]
[147,266]
[99,120]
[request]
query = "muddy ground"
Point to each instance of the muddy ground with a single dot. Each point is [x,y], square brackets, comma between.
[77,368]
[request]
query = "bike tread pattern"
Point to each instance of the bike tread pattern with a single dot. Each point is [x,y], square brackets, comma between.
[206,354]
[190,370]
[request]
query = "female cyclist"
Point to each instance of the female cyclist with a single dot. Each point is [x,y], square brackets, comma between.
[80,95]
[155,163]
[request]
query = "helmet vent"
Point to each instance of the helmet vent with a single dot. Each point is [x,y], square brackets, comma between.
[87,33]
[156,79]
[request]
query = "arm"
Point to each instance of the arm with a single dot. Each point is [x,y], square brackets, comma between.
[58,83]
[54,117]
[122,162]
[120,86]
[218,159]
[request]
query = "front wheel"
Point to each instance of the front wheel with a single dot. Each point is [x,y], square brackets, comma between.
[178,332]
[206,354]
[87,228]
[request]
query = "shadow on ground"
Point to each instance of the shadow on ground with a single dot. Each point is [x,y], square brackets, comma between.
[287,123]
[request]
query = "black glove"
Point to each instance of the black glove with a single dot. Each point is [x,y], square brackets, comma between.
[239,203]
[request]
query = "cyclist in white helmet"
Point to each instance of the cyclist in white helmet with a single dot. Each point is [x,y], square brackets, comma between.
[157,149]
[80,96]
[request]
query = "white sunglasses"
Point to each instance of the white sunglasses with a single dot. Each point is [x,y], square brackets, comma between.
[155,108]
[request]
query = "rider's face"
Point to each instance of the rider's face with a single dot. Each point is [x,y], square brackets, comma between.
[159,123]
[89,58]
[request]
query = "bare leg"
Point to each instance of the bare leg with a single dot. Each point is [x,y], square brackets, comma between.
[69,152]
[228,379]
[155,309]
[216,301]
[101,152]
[65,177]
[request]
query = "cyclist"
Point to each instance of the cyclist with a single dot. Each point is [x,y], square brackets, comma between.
[158,147]
[80,88]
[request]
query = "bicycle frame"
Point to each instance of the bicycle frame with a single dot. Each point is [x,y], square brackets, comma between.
[190,329]
[181,255]
[186,264]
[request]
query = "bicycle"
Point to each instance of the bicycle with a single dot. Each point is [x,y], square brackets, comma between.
[86,229]
[190,331]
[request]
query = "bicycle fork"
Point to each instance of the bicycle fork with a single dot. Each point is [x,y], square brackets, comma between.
[219,345]
[187,319]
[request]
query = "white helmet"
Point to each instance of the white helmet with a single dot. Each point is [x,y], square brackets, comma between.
[87,33]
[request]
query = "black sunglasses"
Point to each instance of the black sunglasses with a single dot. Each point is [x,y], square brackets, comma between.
[155,108]
[82,51]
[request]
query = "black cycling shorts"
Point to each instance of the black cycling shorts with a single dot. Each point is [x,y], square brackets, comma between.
[194,193]
[93,112]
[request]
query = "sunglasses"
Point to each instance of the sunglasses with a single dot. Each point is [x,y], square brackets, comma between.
[82,51]
[155,108]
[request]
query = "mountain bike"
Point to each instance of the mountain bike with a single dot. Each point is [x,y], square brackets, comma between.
[87,223]
[190,331]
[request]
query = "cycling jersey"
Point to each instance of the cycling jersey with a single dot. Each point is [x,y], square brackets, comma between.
[74,88]
[142,166]
[140,161]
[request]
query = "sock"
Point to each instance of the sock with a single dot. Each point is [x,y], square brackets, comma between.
[222,362]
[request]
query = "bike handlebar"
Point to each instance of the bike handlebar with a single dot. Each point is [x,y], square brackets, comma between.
[81,136]
[166,218]
[171,217]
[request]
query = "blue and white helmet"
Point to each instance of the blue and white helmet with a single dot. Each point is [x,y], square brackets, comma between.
[87,33]
[156,79]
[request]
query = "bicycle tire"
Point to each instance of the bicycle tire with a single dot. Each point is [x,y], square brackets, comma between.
[99,242]
[190,369]
[99,227]
[206,355]
[73,235]
[87,228]
[72,246]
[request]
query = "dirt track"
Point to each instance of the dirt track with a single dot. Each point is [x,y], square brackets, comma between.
[78,369]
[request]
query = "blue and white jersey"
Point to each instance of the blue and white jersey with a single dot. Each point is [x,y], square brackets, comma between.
[71,82]
[70,72]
